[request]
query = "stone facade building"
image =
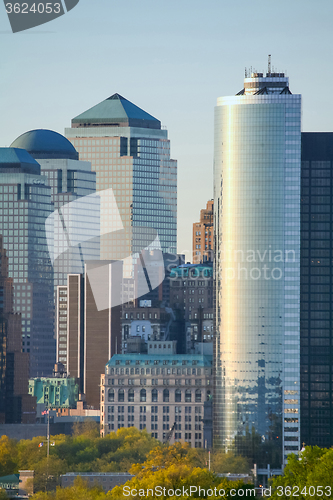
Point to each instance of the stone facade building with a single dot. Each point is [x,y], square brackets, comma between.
[157,393]
[191,293]
[203,235]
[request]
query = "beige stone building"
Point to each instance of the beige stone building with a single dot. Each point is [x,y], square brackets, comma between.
[203,235]
[157,392]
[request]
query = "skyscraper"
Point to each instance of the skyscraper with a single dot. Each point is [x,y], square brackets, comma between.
[203,235]
[257,227]
[130,153]
[70,179]
[16,406]
[316,289]
[25,202]
[89,332]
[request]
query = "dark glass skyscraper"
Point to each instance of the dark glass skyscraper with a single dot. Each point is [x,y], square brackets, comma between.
[317,289]
[25,203]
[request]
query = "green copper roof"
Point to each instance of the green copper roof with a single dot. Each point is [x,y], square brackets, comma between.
[193,270]
[160,359]
[116,111]
[11,479]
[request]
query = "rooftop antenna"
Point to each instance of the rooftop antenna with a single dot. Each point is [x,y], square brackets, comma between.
[269,63]
[245,73]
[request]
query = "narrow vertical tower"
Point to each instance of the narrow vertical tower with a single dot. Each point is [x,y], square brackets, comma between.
[257,227]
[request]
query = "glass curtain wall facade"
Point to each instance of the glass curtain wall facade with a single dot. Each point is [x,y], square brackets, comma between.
[316,289]
[25,203]
[130,153]
[257,244]
[70,179]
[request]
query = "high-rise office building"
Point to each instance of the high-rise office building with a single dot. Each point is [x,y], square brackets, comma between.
[203,235]
[25,201]
[191,296]
[16,406]
[316,289]
[257,173]
[70,179]
[88,324]
[130,153]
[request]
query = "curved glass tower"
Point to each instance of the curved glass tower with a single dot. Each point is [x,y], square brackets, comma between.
[257,244]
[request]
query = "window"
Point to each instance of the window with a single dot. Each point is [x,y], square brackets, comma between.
[143,395]
[188,396]
[198,396]
[111,395]
[166,396]
[131,395]
[154,395]
[178,396]
[121,395]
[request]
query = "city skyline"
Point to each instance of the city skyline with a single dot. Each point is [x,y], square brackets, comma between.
[182,61]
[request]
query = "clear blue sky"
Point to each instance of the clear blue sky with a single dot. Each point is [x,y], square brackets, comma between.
[173,59]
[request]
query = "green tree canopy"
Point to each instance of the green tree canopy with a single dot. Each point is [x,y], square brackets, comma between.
[309,474]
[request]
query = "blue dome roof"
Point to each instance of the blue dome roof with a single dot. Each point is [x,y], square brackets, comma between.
[46,144]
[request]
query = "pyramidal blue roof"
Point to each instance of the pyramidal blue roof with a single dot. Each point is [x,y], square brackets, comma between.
[116,111]
[17,160]
[42,143]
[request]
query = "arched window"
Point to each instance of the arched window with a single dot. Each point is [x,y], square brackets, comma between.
[209,396]
[166,396]
[188,396]
[154,395]
[121,395]
[198,396]
[178,396]
[130,395]
[111,395]
[143,395]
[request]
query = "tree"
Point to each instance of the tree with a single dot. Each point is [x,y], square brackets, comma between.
[222,462]
[171,467]
[313,468]
[89,429]
[3,494]
[79,491]
[8,456]
[47,473]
